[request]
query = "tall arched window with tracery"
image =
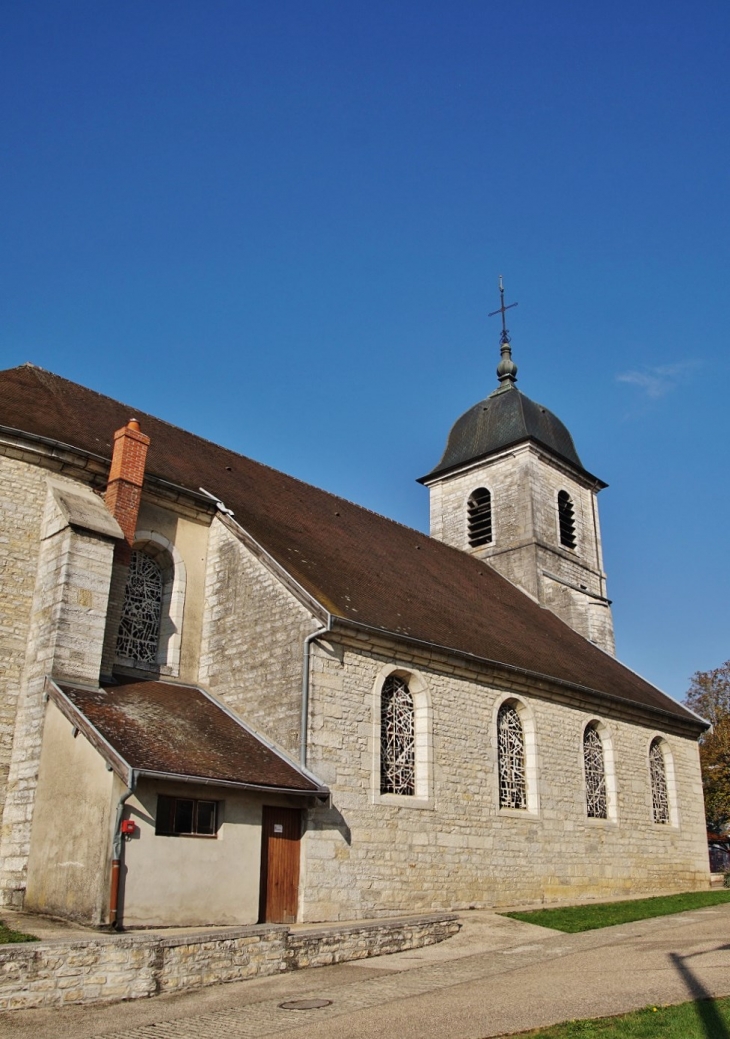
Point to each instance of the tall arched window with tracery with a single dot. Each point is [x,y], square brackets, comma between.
[595,773]
[397,738]
[511,756]
[566,519]
[139,628]
[479,517]
[659,788]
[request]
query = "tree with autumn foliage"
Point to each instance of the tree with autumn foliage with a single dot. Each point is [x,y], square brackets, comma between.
[709,696]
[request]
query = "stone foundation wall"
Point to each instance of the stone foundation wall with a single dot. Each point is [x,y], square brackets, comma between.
[116,967]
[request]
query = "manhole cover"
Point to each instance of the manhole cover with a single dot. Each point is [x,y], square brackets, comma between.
[305,1004]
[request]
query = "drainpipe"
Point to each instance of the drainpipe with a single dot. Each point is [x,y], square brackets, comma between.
[305,688]
[117,852]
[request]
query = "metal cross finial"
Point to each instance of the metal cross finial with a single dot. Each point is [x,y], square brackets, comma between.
[505,333]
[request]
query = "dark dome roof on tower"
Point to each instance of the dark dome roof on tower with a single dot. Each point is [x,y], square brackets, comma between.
[506,417]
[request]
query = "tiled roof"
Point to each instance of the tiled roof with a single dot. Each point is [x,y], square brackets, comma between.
[360,566]
[177,730]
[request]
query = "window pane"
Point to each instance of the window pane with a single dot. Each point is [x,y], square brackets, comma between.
[164,824]
[139,628]
[511,749]
[397,743]
[206,817]
[596,802]
[184,816]
[659,792]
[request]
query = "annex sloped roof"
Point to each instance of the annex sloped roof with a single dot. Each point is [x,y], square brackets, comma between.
[177,730]
[360,566]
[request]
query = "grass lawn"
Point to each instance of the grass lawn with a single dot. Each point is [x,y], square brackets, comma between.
[606,914]
[7,936]
[700,1020]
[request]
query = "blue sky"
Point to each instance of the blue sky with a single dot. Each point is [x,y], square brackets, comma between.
[281,225]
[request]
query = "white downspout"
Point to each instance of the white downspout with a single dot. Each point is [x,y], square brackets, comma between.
[305,688]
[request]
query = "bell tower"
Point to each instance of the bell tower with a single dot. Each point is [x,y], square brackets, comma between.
[511,490]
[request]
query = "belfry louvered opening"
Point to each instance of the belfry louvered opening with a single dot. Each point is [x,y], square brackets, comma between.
[566,519]
[479,514]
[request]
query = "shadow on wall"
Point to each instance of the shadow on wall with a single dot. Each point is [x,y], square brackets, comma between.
[332,819]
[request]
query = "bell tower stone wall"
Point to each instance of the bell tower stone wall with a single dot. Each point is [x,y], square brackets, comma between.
[524,482]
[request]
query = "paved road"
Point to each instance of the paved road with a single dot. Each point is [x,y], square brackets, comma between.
[496,977]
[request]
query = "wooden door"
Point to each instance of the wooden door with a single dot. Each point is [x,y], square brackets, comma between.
[281,829]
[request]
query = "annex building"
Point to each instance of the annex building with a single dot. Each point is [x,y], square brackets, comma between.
[229,696]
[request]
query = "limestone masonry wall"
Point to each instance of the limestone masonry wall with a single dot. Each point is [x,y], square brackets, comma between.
[64,638]
[369,855]
[253,634]
[107,969]
[524,484]
[24,491]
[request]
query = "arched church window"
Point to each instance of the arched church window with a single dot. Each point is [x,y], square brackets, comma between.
[566,519]
[595,773]
[659,789]
[479,517]
[397,741]
[139,629]
[511,756]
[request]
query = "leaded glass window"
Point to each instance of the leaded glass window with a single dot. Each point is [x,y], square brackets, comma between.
[659,791]
[397,740]
[511,753]
[139,629]
[479,517]
[595,771]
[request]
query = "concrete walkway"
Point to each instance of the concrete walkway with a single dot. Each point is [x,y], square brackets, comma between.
[496,977]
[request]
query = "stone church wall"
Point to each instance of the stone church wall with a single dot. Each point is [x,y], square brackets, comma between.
[369,854]
[253,634]
[24,491]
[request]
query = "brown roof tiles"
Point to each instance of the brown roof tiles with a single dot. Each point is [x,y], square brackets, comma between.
[178,730]
[360,566]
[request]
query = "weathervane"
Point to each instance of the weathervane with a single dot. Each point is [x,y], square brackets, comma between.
[502,309]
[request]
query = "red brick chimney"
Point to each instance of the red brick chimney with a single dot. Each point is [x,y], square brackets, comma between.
[126,476]
[123,497]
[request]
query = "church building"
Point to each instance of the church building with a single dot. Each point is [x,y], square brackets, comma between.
[227,696]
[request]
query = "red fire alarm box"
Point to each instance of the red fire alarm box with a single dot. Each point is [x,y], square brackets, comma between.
[127,827]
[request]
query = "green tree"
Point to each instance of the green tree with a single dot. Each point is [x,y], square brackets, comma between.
[709,696]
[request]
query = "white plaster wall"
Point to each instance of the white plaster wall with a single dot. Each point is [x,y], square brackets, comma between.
[68,864]
[190,881]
